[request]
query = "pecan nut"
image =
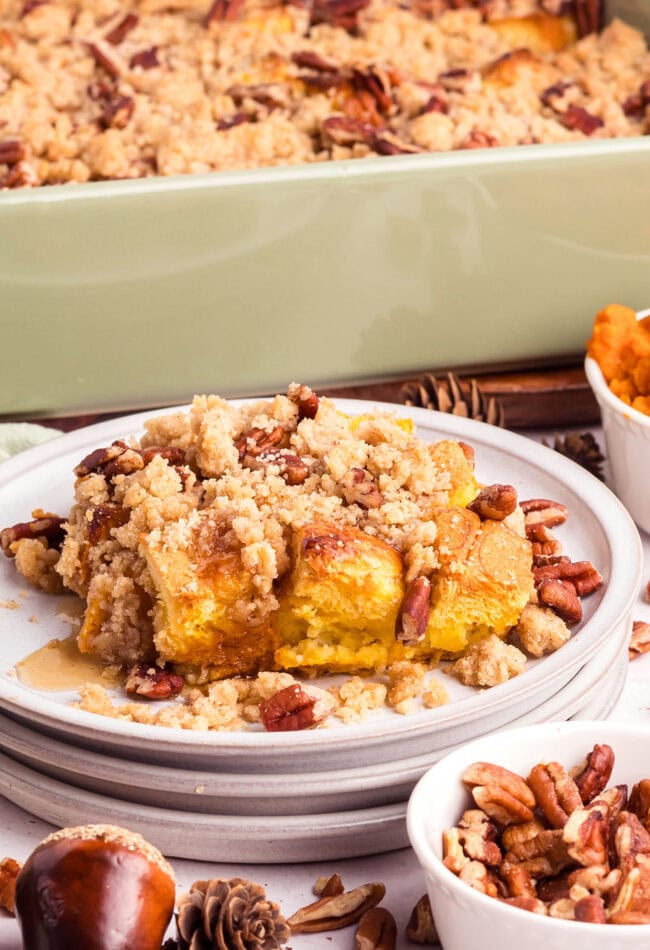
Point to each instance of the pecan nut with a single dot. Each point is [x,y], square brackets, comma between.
[495,502]
[556,793]
[544,542]
[305,398]
[578,119]
[582,574]
[359,488]
[501,794]
[223,11]
[152,682]
[640,639]
[9,870]
[590,910]
[561,597]
[413,616]
[518,880]
[527,903]
[586,834]
[341,910]
[329,886]
[296,707]
[122,29]
[145,58]
[421,927]
[476,834]
[377,930]
[291,468]
[12,151]
[46,526]
[594,777]
[640,801]
[543,511]
[256,441]
[481,879]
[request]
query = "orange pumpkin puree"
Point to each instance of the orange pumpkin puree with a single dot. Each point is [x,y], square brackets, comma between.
[620,344]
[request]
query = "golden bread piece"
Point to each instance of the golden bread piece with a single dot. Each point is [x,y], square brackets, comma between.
[203,589]
[483,584]
[339,604]
[457,459]
[539,32]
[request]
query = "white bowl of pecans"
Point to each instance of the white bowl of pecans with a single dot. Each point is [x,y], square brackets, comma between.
[536,834]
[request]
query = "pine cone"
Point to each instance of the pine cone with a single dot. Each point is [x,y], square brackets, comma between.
[460,399]
[229,915]
[581,447]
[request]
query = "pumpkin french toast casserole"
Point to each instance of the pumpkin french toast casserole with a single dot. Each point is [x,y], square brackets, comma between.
[285,536]
[102,89]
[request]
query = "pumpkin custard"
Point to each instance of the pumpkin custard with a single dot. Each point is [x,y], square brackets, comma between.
[111,90]
[233,547]
[620,344]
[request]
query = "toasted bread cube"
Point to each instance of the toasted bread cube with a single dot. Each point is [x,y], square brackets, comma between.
[539,32]
[339,605]
[200,612]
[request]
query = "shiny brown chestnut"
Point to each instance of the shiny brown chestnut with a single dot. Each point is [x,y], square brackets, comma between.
[96,887]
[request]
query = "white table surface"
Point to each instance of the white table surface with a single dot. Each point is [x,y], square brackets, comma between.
[291,885]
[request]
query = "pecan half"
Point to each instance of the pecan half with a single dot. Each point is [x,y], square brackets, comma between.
[258,441]
[594,777]
[344,131]
[46,526]
[553,888]
[561,597]
[117,112]
[640,801]
[413,616]
[454,857]
[597,879]
[97,461]
[341,910]
[476,834]
[527,903]
[291,468]
[377,930]
[579,120]
[477,876]
[544,542]
[582,574]
[640,639]
[172,454]
[11,151]
[421,927]
[495,502]
[103,518]
[152,682]
[122,29]
[543,511]
[630,839]
[359,488]
[329,886]
[634,894]
[145,58]
[223,11]
[518,880]
[501,794]
[387,143]
[9,870]
[341,13]
[590,910]
[563,908]
[556,793]
[305,399]
[586,834]
[296,707]
[543,854]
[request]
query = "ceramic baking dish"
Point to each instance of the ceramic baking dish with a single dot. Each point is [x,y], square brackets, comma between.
[134,293]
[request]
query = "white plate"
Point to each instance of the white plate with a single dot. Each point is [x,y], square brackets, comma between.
[251,839]
[596,687]
[599,530]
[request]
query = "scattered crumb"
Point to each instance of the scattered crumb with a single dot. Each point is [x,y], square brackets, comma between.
[357,697]
[434,694]
[647,591]
[9,604]
[34,619]
[541,631]
[489,662]
[405,682]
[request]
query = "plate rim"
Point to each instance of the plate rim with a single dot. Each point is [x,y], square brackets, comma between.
[616,524]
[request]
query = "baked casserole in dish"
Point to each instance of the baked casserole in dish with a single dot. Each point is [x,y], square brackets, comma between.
[442,219]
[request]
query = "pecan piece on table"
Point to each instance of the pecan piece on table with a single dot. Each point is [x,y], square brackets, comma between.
[296,707]
[640,639]
[341,910]
[501,794]
[329,886]
[46,526]
[494,502]
[122,29]
[359,488]
[9,870]
[421,927]
[544,542]
[413,616]
[305,399]
[594,777]
[152,682]
[561,597]
[556,793]
[377,930]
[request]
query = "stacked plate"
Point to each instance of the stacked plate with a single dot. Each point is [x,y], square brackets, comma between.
[334,792]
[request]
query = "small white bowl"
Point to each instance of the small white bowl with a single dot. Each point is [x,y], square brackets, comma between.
[627,436]
[467,919]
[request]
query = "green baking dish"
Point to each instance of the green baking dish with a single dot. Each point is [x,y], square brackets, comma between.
[127,294]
